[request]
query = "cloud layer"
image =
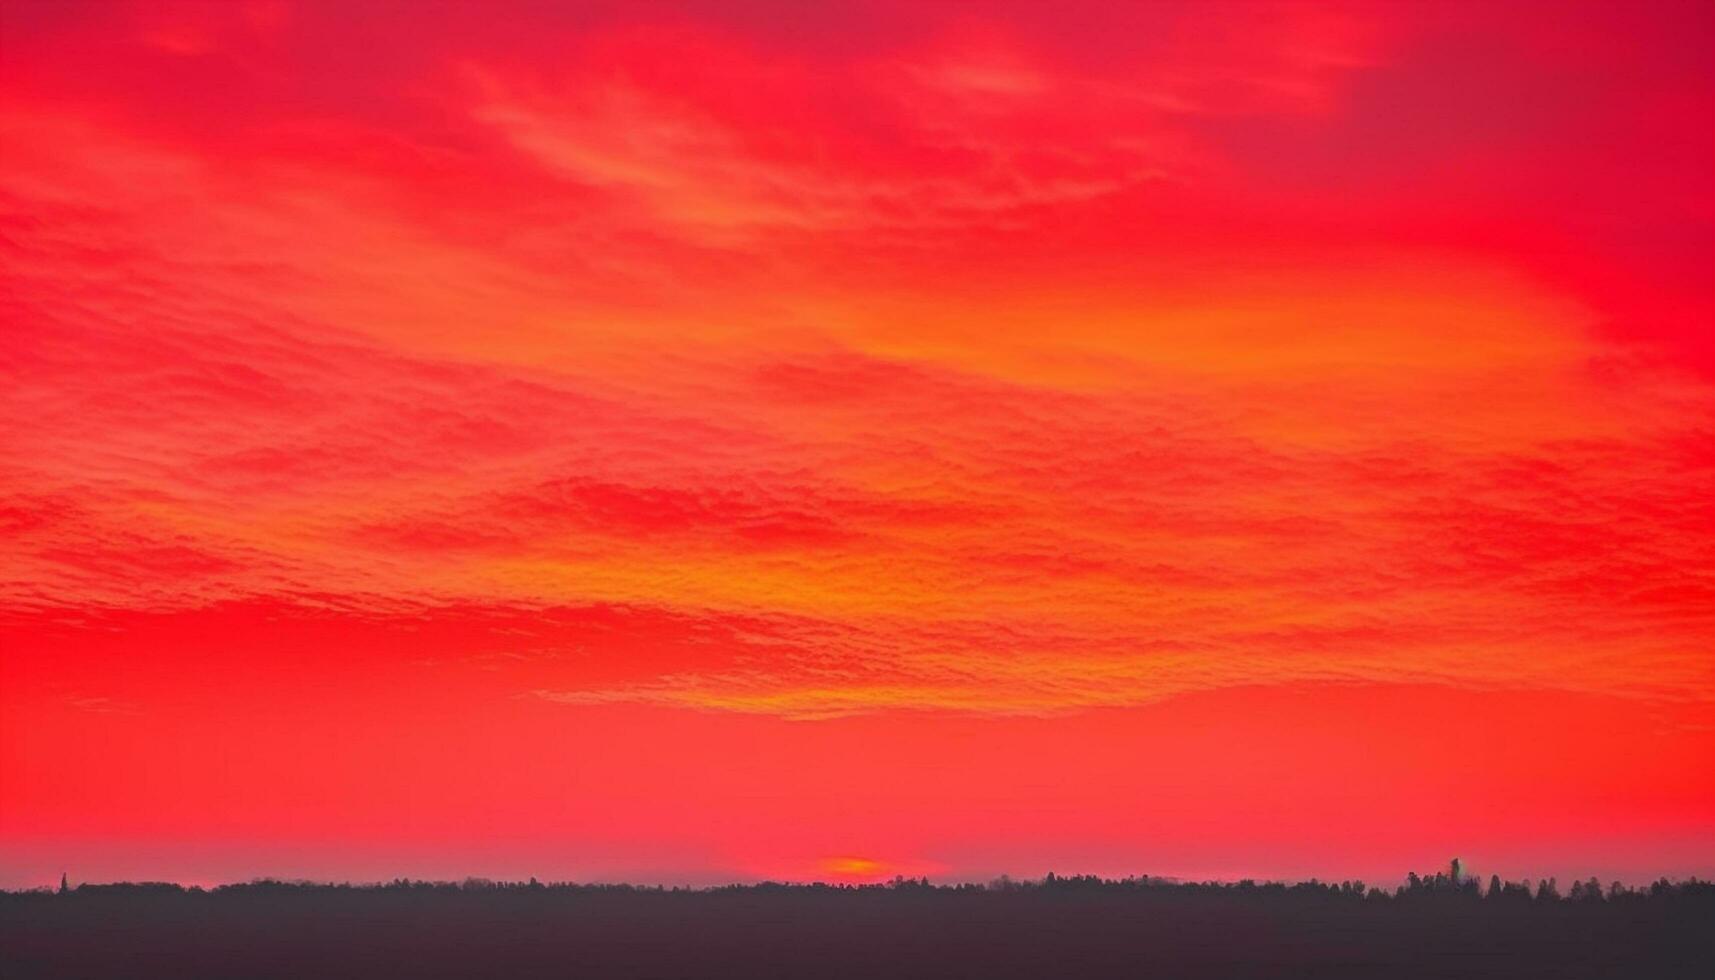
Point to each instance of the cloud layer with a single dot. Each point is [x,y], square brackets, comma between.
[964,373]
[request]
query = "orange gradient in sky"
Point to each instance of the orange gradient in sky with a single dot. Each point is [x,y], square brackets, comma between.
[710,441]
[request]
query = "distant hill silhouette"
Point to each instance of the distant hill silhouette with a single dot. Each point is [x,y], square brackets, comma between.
[1438,925]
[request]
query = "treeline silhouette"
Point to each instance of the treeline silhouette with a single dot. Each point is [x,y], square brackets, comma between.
[1445,924]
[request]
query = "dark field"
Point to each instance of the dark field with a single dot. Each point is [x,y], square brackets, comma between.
[1068,928]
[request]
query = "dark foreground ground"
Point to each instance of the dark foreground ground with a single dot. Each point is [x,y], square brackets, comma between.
[1063,930]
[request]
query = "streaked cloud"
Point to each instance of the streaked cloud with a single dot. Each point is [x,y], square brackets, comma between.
[970,376]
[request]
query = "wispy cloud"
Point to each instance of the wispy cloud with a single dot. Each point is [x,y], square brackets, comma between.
[991,380]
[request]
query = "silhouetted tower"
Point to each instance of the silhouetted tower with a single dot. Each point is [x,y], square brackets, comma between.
[1458,872]
[63,886]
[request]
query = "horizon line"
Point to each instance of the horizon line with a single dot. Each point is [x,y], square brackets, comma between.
[996,882]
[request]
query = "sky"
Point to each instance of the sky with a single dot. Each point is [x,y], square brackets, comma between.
[712,441]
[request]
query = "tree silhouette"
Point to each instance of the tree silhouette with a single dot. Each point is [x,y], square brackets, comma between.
[1085,925]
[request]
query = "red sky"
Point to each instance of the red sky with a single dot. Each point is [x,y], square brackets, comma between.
[710,441]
